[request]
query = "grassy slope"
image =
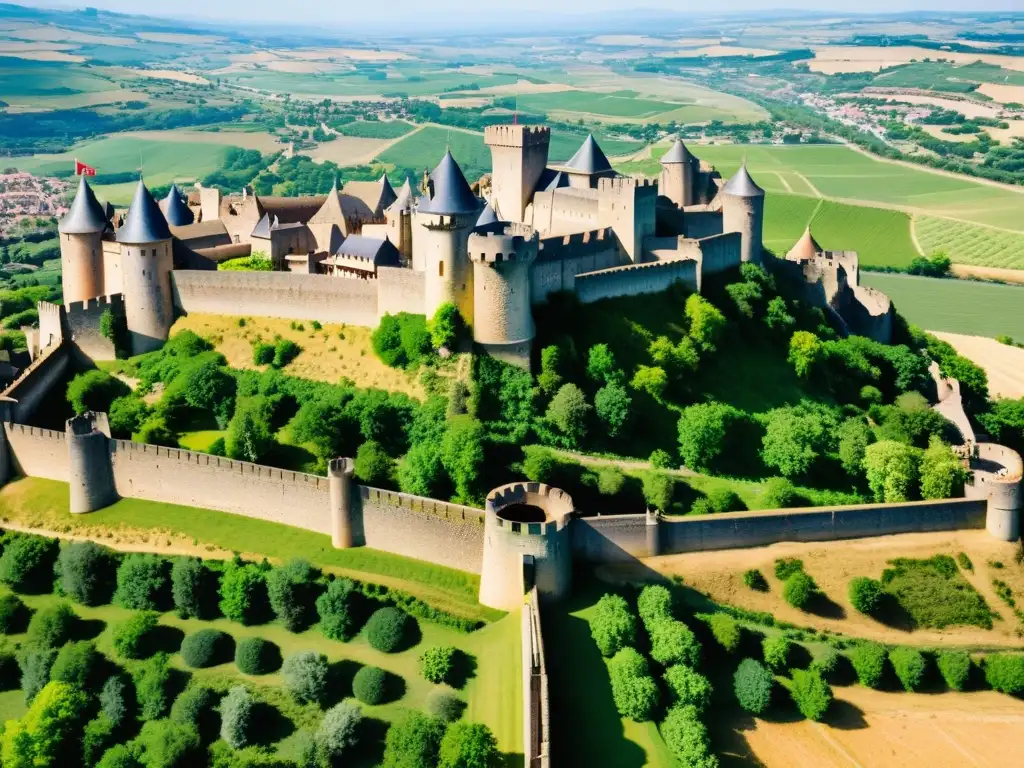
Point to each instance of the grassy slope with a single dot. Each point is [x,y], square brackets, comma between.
[957,306]
[40,503]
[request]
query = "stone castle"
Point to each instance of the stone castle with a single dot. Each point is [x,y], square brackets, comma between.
[365,250]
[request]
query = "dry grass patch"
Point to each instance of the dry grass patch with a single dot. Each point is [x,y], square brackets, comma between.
[1004,94]
[350,150]
[325,355]
[845,58]
[1003,364]
[171,74]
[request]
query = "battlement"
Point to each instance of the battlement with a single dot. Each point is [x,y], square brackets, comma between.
[622,185]
[455,513]
[664,264]
[341,467]
[87,423]
[37,432]
[47,310]
[577,238]
[556,504]
[516,242]
[517,135]
[114,302]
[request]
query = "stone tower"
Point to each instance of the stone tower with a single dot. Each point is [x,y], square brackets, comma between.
[177,213]
[443,222]
[81,246]
[502,320]
[146,264]
[519,155]
[743,212]
[526,542]
[90,474]
[398,216]
[627,205]
[676,181]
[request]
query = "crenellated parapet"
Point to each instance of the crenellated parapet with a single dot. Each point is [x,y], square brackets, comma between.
[516,242]
[517,135]
[114,303]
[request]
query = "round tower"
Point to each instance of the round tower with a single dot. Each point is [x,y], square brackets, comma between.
[81,246]
[743,212]
[90,474]
[146,263]
[997,476]
[444,220]
[526,542]
[339,479]
[676,180]
[502,320]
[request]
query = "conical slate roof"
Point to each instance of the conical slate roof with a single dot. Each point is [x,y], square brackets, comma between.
[403,201]
[86,215]
[589,158]
[145,223]
[741,185]
[175,210]
[450,190]
[387,193]
[677,154]
[262,228]
[487,216]
[806,247]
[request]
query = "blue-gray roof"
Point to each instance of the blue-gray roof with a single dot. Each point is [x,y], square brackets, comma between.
[145,222]
[262,228]
[175,210]
[86,215]
[589,158]
[387,193]
[677,154]
[741,185]
[404,200]
[449,190]
[551,179]
[487,216]
[380,252]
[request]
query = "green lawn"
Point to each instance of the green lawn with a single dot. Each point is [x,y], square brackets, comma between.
[22,80]
[616,104]
[377,129]
[424,150]
[956,306]
[40,503]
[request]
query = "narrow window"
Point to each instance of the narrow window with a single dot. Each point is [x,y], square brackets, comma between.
[440,269]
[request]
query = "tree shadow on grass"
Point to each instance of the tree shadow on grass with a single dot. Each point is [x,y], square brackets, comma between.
[845,716]
[87,629]
[728,741]
[799,657]
[394,688]
[369,749]
[165,639]
[512,760]
[893,615]
[822,605]
[463,668]
[269,725]
[339,680]
[177,682]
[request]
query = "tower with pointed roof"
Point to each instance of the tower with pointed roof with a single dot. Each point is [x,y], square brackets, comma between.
[743,212]
[81,246]
[442,223]
[588,165]
[146,264]
[398,218]
[519,156]
[175,210]
[676,180]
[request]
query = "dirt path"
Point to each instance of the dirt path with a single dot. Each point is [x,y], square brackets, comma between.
[989,273]
[913,235]
[814,189]
[833,564]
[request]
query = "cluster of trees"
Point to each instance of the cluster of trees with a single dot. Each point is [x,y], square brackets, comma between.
[255,262]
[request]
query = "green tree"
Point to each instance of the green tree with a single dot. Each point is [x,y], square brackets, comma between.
[868,661]
[942,474]
[686,736]
[568,411]
[854,436]
[805,352]
[955,668]
[706,322]
[865,594]
[243,594]
[412,742]
[704,432]
[45,735]
[659,489]
[94,391]
[291,589]
[127,415]
[799,589]
[752,684]
[650,379]
[634,691]
[339,730]
[373,466]
[777,649]
[796,437]
[892,471]
[462,455]
[612,404]
[421,472]
[447,326]
[468,745]
[152,684]
[142,582]
[87,572]
[613,625]
[236,717]
[305,676]
[811,694]
[210,387]
[550,377]
[601,368]
[688,687]
[250,437]
[909,665]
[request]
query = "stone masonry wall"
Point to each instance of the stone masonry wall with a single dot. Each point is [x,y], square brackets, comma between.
[560,259]
[35,382]
[276,294]
[536,705]
[400,290]
[83,319]
[36,452]
[633,280]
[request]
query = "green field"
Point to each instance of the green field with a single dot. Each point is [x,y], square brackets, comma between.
[162,162]
[376,129]
[412,80]
[956,306]
[970,243]
[616,104]
[21,80]
[943,76]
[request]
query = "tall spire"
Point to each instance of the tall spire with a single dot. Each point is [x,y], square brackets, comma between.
[175,210]
[387,193]
[678,153]
[145,223]
[589,158]
[741,185]
[86,215]
[450,192]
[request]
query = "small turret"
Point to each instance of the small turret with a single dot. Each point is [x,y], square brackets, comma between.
[146,264]
[90,474]
[177,213]
[676,182]
[806,247]
[588,165]
[743,212]
[398,216]
[81,246]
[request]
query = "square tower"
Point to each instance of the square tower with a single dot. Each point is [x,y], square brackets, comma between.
[519,155]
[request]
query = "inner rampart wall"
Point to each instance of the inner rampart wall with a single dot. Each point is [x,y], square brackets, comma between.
[560,259]
[35,382]
[276,294]
[536,705]
[36,452]
[400,290]
[83,320]
[635,279]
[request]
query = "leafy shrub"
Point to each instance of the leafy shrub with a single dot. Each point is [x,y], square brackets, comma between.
[43,737]
[413,741]
[152,682]
[370,685]
[755,580]
[909,665]
[51,626]
[726,631]
[654,602]
[658,489]
[97,736]
[1005,672]
[143,582]
[236,717]
[752,684]
[779,493]
[444,705]
[468,745]
[76,664]
[118,756]
[811,693]
[776,652]
[13,613]
[662,459]
[955,668]
[339,730]
[725,500]
[291,589]
[865,594]
[401,340]
[285,350]
[799,589]
[262,353]
[130,635]
[94,391]
[35,662]
[256,656]
[633,689]
[86,572]
[243,594]
[27,564]
[613,625]
[688,687]
[672,642]
[827,662]
[446,326]
[868,661]
[964,561]
[610,481]
[787,566]
[389,629]
[373,466]
[195,706]
[192,588]
[205,648]
[340,608]
[686,736]
[437,663]
[305,676]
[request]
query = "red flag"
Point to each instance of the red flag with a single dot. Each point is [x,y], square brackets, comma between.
[81,169]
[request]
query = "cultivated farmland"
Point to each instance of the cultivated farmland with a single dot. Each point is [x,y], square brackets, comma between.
[971,244]
[616,104]
[956,306]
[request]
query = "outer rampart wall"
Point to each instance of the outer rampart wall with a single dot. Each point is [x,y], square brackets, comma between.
[276,294]
[51,327]
[400,290]
[83,320]
[720,253]
[536,709]
[36,452]
[636,279]
[35,382]
[562,258]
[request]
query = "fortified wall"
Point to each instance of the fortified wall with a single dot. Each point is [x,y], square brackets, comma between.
[536,704]
[82,320]
[635,279]
[561,258]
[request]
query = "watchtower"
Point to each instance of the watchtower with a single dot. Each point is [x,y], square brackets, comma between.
[519,155]
[339,486]
[676,180]
[743,212]
[627,205]
[81,246]
[90,474]
[398,218]
[146,264]
[502,320]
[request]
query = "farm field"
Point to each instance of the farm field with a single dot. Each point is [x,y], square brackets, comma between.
[377,129]
[971,244]
[409,80]
[615,104]
[1003,364]
[956,306]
